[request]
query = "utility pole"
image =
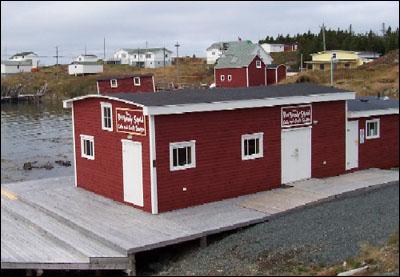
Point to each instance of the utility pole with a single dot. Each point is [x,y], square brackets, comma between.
[177,62]
[301,62]
[85,49]
[333,58]
[56,56]
[164,55]
[383,29]
[145,56]
[323,36]
[104,50]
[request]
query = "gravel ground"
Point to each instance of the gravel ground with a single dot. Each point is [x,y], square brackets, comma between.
[321,235]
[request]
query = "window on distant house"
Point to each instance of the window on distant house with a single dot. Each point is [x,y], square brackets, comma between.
[87,147]
[252,146]
[222,78]
[148,56]
[229,78]
[373,128]
[213,53]
[182,155]
[114,83]
[166,55]
[258,64]
[321,66]
[136,81]
[106,116]
[347,65]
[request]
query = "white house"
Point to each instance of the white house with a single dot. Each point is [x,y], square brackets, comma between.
[141,57]
[217,49]
[12,67]
[367,57]
[273,47]
[82,68]
[86,58]
[27,56]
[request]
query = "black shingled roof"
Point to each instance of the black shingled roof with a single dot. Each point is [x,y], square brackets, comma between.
[369,103]
[198,96]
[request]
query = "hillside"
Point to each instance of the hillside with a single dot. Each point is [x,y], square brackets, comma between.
[379,76]
[192,72]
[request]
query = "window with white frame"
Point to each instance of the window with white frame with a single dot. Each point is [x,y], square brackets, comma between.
[136,81]
[372,127]
[106,116]
[229,78]
[182,155]
[222,78]
[87,147]
[258,64]
[114,83]
[252,146]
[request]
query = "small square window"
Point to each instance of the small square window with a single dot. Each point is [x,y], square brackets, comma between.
[136,81]
[258,64]
[114,83]
[252,146]
[222,78]
[182,155]
[229,78]
[373,129]
[106,116]
[87,147]
[321,66]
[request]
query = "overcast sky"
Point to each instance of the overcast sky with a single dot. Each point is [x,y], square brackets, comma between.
[40,26]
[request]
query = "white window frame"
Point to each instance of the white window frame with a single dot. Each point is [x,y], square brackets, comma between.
[260,137]
[229,77]
[134,81]
[106,105]
[378,134]
[222,77]
[174,145]
[258,64]
[83,139]
[114,85]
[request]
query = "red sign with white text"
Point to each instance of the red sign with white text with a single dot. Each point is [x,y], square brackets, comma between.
[130,121]
[296,116]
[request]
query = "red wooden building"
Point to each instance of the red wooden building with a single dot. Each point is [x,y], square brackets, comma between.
[168,150]
[275,73]
[128,83]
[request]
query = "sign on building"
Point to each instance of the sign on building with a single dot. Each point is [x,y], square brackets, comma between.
[296,116]
[130,121]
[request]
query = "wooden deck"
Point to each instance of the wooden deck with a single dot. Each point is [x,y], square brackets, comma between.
[51,224]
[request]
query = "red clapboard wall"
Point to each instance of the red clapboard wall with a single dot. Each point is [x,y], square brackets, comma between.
[126,84]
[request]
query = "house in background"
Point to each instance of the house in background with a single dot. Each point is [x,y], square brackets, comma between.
[279,47]
[144,57]
[276,73]
[20,62]
[344,59]
[367,57]
[27,56]
[126,84]
[86,58]
[85,64]
[216,50]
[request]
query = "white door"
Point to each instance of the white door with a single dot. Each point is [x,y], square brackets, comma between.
[296,154]
[352,144]
[132,172]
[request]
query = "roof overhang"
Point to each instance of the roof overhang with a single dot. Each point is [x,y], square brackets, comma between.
[360,114]
[224,105]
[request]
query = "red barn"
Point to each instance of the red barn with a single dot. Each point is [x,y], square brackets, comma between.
[275,73]
[372,133]
[243,71]
[168,150]
[130,83]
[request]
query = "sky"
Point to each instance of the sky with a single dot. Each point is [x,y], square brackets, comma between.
[41,26]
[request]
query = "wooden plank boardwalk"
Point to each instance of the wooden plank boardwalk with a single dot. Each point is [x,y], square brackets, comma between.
[51,224]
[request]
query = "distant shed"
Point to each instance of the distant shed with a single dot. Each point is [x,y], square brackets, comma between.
[126,84]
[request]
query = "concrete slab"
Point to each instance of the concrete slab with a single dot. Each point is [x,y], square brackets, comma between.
[77,229]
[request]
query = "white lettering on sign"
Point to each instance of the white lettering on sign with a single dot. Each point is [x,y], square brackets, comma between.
[130,121]
[296,116]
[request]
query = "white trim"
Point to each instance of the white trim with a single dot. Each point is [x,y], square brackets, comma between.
[294,129]
[83,154]
[67,103]
[153,169]
[137,84]
[242,104]
[222,77]
[265,72]
[173,145]
[98,88]
[358,114]
[260,137]
[247,76]
[229,77]
[74,145]
[276,75]
[111,83]
[154,85]
[258,62]
[378,134]
[102,106]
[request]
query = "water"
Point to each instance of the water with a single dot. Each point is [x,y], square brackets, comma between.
[38,133]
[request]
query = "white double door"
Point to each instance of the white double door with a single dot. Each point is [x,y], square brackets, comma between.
[132,172]
[296,154]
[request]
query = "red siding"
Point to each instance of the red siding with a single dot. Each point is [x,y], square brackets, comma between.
[382,152]
[328,139]
[281,73]
[127,85]
[271,76]
[256,75]
[238,77]
[220,172]
[103,175]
